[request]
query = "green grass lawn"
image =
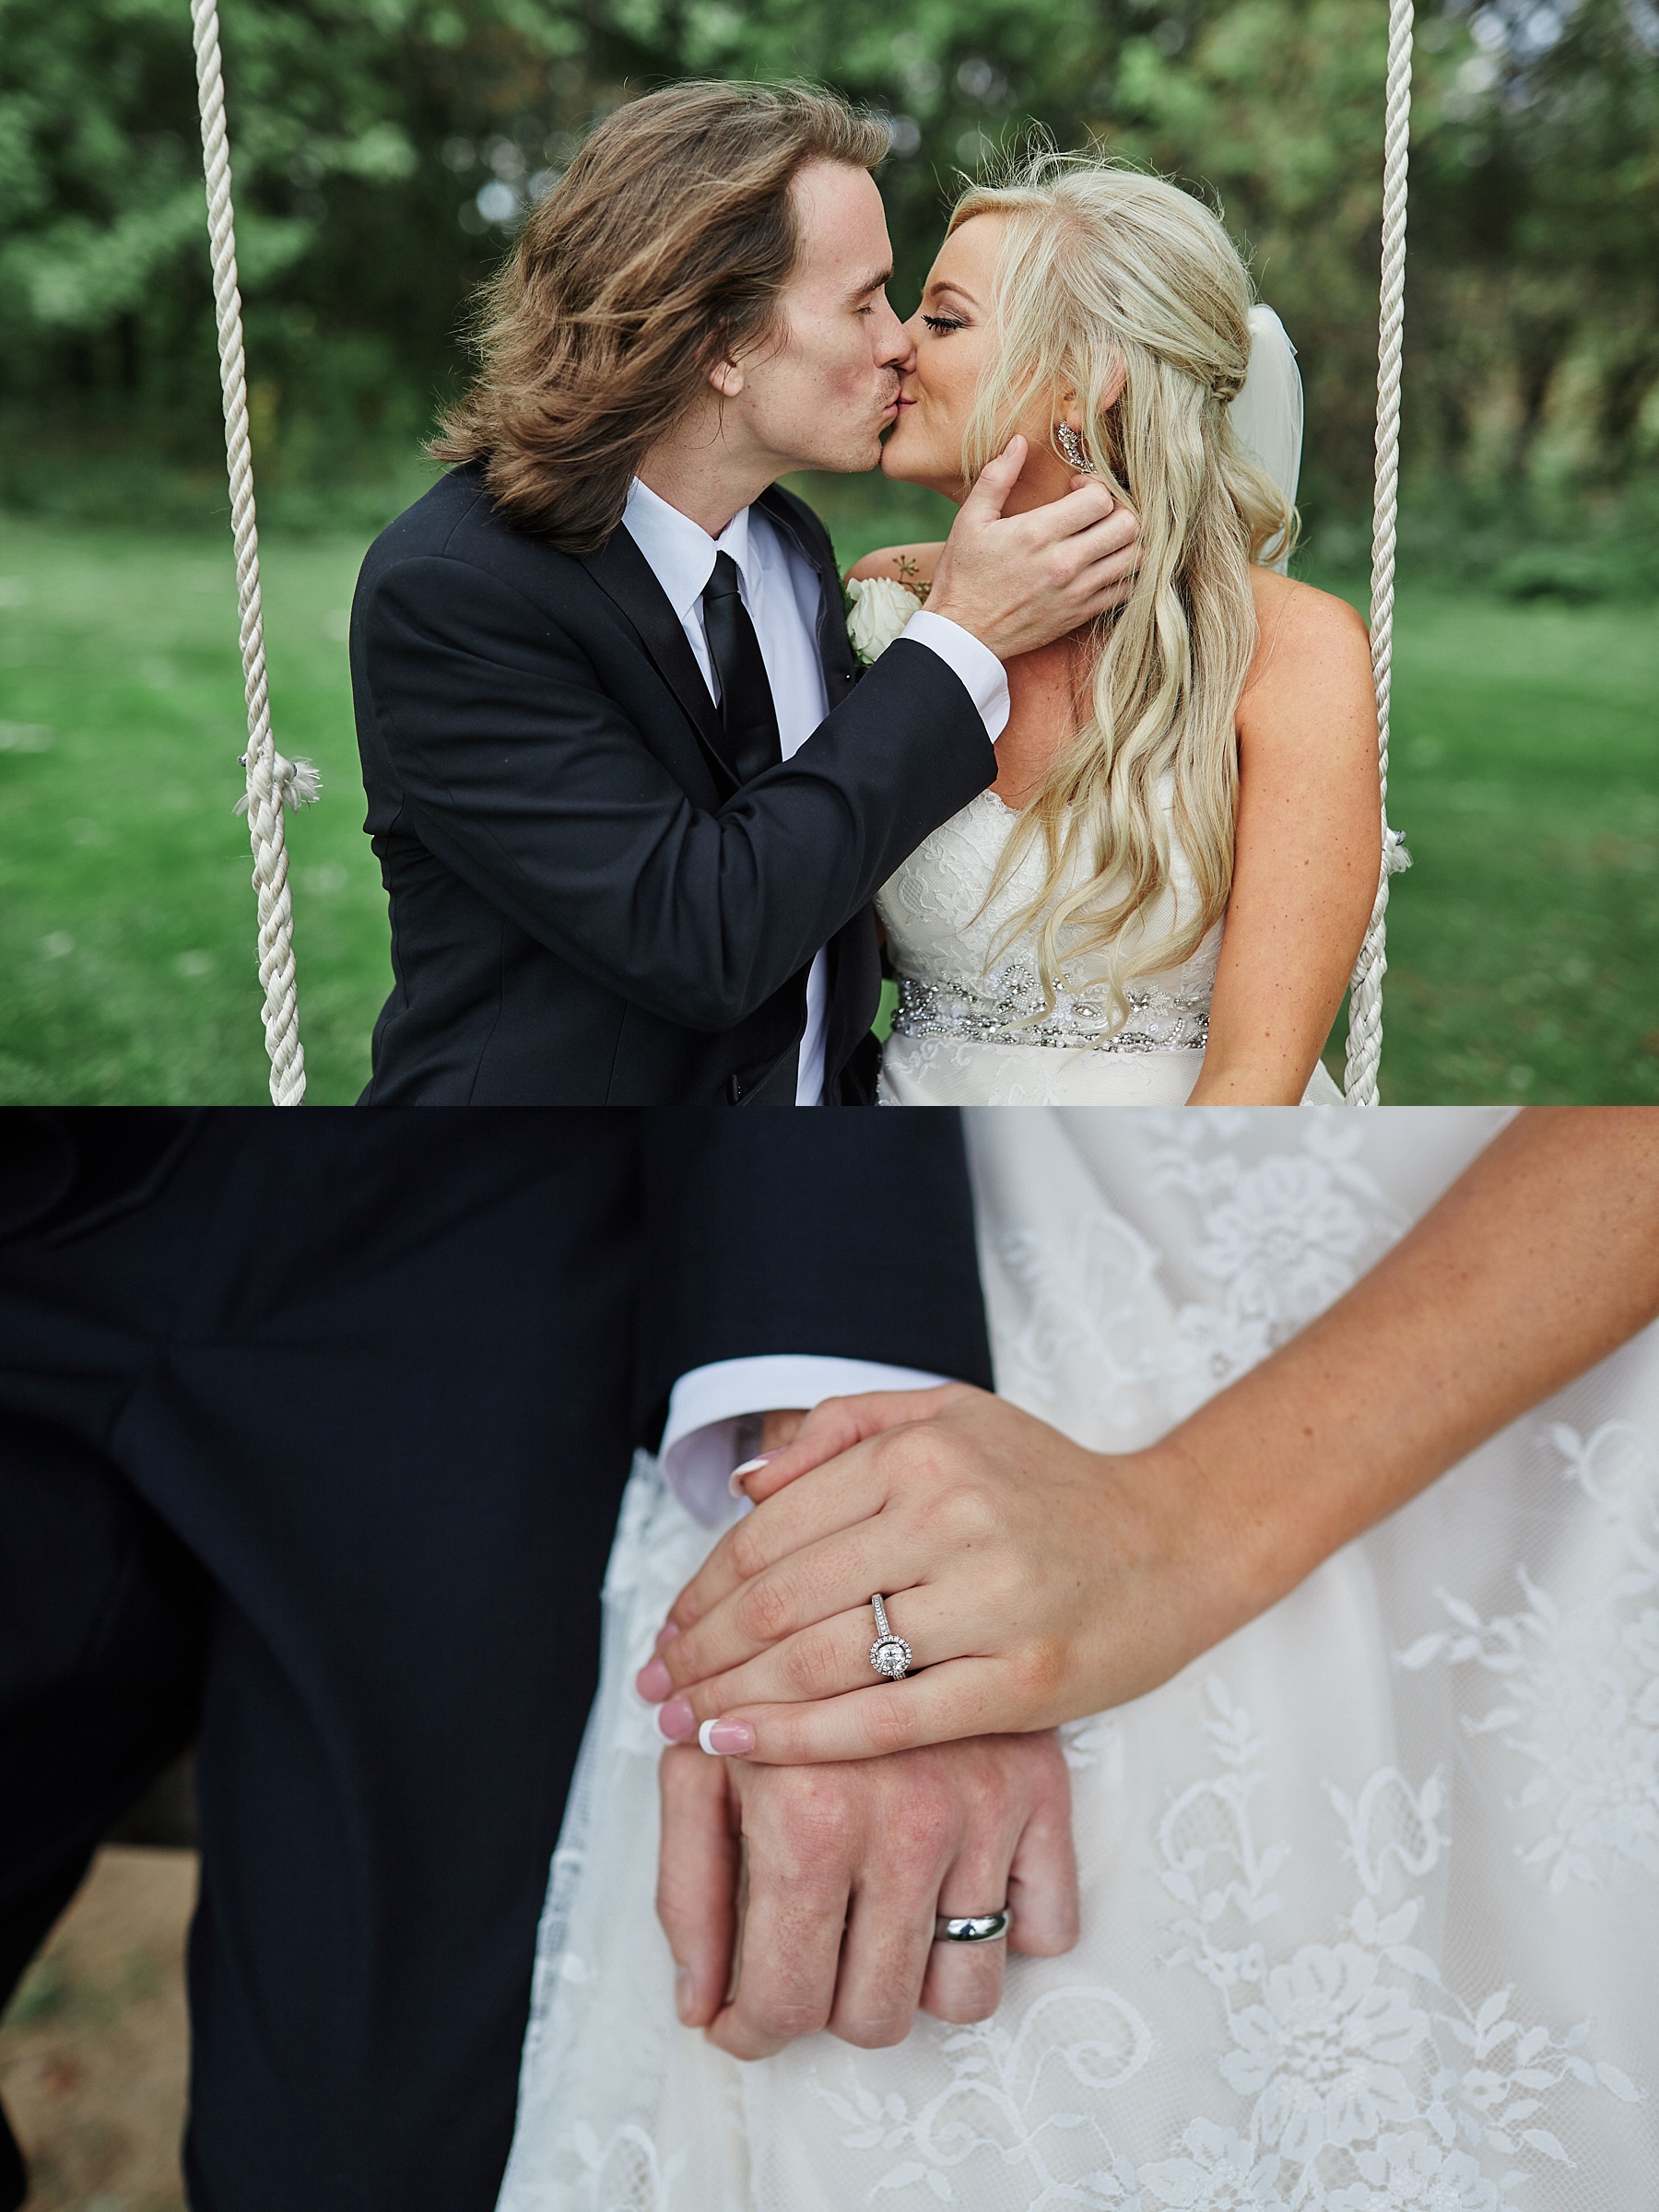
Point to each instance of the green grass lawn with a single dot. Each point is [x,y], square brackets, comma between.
[126,915]
[1524,944]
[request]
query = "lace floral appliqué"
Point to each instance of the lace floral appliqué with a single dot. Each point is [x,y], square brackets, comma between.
[1576,1681]
[1361,2081]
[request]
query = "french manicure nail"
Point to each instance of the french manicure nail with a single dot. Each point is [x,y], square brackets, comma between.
[653,1682]
[666,1635]
[676,1720]
[738,1476]
[684,1991]
[726,1739]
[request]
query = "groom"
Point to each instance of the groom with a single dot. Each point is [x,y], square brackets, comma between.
[313,1430]
[629,804]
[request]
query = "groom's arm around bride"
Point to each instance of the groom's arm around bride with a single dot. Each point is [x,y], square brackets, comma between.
[629,806]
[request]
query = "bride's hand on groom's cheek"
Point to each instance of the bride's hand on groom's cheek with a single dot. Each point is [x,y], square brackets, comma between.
[795,1900]
[1034,1580]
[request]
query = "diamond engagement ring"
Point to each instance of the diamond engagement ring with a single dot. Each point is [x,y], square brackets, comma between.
[971,1927]
[890,1654]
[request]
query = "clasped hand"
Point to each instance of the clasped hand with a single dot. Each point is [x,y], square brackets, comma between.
[1035,1582]
[796,1899]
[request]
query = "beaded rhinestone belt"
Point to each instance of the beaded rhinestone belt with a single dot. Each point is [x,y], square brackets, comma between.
[1158,1021]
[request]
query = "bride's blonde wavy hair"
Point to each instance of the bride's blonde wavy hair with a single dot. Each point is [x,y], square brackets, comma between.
[1103,268]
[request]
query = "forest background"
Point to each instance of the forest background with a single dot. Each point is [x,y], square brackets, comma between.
[385,148]
[384,151]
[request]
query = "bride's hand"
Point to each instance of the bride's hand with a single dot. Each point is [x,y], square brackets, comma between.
[1035,1582]
[791,1444]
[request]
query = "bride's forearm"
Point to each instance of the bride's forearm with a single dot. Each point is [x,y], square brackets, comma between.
[1041,1581]
[1541,1259]
[1247,1083]
[1264,1045]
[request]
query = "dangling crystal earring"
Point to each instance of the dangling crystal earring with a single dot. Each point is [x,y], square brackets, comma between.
[1071,446]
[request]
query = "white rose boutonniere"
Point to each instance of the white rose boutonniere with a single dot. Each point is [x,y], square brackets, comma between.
[877,610]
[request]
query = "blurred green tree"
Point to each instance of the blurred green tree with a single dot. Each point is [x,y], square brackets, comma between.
[384,149]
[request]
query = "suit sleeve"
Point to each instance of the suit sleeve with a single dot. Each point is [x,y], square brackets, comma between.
[523,777]
[848,1236]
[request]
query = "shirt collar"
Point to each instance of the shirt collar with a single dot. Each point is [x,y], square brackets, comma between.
[680,552]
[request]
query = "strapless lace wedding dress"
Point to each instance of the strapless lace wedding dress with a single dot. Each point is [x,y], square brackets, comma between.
[970,1031]
[1370,1892]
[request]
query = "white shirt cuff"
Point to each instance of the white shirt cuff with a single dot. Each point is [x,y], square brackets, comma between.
[709,1407]
[983,674]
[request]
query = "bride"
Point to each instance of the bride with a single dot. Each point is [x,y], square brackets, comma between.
[1209,751]
[1364,1763]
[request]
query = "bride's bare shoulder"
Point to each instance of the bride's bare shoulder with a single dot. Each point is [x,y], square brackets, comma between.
[1301,631]
[899,564]
[1286,608]
[1307,718]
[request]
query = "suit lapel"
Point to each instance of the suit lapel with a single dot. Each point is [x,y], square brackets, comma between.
[854,959]
[624,575]
[834,651]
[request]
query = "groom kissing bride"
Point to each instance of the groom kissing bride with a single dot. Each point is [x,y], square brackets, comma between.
[630,806]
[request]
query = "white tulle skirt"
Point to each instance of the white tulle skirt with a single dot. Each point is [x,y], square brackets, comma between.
[1370,1892]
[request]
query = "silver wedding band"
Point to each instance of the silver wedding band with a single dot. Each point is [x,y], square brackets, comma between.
[971,1927]
[890,1654]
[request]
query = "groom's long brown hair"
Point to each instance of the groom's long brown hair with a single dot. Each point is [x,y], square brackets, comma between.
[663,249]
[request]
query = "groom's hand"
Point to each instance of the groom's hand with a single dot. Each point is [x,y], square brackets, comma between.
[796,1899]
[1020,580]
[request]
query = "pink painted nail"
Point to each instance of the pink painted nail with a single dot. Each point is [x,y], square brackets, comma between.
[728,1739]
[738,1477]
[666,1635]
[676,1720]
[653,1682]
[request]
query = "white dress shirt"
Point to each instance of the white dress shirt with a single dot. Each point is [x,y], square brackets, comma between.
[780,588]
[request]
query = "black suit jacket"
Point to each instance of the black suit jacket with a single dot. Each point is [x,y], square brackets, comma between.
[586,908]
[313,1430]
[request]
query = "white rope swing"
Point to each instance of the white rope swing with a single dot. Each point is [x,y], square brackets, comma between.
[1365,988]
[271,779]
[273,783]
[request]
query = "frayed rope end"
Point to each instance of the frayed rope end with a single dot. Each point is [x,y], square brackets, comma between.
[297,783]
[1396,858]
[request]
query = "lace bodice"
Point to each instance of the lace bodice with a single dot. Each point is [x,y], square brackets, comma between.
[1370,1892]
[959,979]
[969,1030]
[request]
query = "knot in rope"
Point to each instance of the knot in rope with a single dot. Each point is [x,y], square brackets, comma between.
[294,783]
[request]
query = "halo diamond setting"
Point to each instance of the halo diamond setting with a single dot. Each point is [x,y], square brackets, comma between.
[890,1654]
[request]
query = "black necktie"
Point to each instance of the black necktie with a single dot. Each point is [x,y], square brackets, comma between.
[746,699]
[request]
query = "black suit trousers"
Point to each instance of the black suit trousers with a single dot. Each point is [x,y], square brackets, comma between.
[313,1457]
